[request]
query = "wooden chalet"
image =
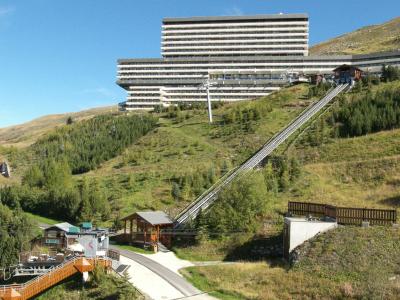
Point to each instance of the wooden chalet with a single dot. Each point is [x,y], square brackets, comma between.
[347,74]
[57,235]
[146,228]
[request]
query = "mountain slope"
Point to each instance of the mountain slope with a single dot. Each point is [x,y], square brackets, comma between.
[27,133]
[375,38]
[346,263]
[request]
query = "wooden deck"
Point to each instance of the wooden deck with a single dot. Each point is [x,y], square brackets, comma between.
[344,215]
[59,273]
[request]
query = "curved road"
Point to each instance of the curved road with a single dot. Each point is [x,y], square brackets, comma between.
[172,278]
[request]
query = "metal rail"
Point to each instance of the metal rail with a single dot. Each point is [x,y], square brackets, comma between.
[208,197]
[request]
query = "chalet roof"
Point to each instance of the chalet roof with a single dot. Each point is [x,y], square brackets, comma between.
[346,67]
[152,217]
[65,226]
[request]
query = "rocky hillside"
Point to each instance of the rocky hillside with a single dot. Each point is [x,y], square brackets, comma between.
[375,38]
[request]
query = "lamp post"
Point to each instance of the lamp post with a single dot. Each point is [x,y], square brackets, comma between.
[206,84]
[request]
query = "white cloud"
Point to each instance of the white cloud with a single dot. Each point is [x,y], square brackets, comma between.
[234,11]
[5,10]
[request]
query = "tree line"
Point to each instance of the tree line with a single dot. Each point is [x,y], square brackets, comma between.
[48,188]
[368,113]
[87,144]
[16,232]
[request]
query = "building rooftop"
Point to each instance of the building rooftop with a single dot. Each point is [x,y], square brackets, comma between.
[260,57]
[152,217]
[235,18]
[86,225]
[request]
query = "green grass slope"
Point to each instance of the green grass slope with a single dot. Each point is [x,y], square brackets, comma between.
[346,263]
[375,38]
[142,176]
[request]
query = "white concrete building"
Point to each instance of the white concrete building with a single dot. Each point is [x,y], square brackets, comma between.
[246,56]
[283,34]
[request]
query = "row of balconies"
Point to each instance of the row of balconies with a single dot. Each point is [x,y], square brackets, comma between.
[244,23]
[231,48]
[236,35]
[244,41]
[286,26]
[286,29]
[240,44]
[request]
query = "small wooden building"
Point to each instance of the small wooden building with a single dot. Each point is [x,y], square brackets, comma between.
[347,74]
[57,235]
[146,228]
[91,241]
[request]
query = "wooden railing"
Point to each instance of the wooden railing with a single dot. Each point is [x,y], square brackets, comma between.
[344,215]
[54,276]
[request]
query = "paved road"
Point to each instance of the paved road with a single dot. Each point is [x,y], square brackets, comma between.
[172,278]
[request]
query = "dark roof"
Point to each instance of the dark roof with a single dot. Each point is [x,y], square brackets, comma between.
[346,68]
[234,18]
[152,217]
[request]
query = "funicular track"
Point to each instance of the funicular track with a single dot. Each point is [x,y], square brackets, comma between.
[209,196]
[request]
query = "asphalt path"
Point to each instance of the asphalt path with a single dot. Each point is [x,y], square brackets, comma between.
[172,278]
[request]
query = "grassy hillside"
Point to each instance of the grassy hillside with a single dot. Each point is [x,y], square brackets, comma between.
[356,172]
[185,150]
[346,263]
[25,134]
[193,150]
[375,38]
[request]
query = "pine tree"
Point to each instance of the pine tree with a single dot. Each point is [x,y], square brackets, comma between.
[295,169]
[270,178]
[86,210]
[176,191]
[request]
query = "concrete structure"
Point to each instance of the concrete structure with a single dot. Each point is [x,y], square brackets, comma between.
[298,230]
[246,57]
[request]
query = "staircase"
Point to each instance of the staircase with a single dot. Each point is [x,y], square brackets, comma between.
[52,277]
[209,196]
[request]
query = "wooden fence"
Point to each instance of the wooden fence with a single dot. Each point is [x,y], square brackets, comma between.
[344,215]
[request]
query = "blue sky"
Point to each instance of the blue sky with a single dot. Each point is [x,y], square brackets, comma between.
[60,56]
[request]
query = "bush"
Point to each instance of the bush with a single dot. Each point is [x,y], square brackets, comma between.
[390,73]
[238,207]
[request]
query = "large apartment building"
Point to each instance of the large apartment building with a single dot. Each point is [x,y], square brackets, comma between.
[235,36]
[246,57]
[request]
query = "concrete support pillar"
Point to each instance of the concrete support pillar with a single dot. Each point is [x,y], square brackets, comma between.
[85,276]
